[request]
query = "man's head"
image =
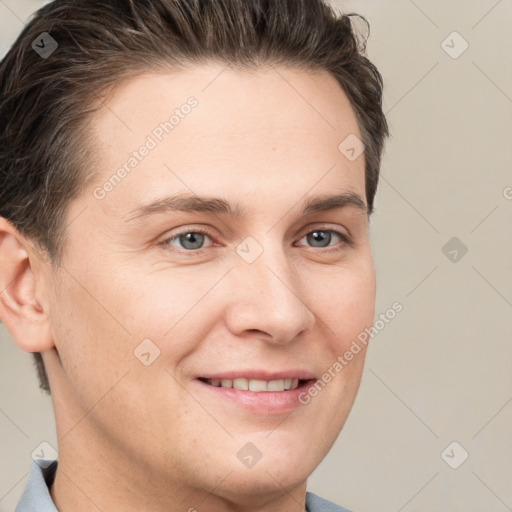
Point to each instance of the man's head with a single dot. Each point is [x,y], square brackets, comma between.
[140,302]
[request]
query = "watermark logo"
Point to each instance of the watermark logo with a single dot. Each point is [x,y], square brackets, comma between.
[454,455]
[44,454]
[454,249]
[454,45]
[146,352]
[249,249]
[249,455]
[44,45]
[351,147]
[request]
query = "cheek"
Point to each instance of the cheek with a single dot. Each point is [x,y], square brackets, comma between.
[346,301]
[100,320]
[346,306]
[174,307]
[94,344]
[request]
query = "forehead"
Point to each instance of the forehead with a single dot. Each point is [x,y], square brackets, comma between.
[255,92]
[219,125]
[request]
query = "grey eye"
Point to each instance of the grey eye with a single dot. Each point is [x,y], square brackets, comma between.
[320,237]
[191,240]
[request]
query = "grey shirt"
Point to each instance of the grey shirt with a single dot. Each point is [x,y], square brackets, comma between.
[36,495]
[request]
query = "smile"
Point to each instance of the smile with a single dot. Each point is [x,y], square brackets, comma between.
[260,392]
[255,385]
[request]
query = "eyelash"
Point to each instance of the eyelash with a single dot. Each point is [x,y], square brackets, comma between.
[345,239]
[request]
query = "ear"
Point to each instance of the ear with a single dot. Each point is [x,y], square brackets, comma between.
[23,293]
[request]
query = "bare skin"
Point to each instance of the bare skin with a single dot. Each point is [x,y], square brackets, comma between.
[154,437]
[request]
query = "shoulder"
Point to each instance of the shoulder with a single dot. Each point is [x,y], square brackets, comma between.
[316,504]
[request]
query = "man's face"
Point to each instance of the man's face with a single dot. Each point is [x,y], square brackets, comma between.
[274,294]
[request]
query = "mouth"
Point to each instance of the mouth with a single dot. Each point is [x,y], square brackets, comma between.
[256,385]
[260,394]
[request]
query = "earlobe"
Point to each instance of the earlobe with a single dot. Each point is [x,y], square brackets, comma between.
[21,310]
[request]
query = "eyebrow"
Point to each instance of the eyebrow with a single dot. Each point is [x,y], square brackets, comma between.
[191,203]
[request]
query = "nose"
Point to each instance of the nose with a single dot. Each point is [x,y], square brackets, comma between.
[268,297]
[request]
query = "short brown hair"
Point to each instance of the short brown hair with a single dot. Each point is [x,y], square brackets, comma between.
[45,102]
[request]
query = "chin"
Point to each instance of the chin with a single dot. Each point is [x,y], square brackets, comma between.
[284,461]
[258,485]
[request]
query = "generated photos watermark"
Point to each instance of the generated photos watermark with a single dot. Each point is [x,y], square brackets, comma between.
[152,140]
[357,344]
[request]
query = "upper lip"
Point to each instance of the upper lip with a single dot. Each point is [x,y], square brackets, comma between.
[260,375]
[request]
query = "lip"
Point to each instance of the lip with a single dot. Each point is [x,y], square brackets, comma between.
[258,402]
[260,375]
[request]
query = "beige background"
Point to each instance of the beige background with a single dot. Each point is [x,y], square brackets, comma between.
[441,371]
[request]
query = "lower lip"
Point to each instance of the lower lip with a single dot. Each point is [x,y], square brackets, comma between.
[262,402]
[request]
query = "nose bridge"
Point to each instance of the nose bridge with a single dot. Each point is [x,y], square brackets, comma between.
[269,297]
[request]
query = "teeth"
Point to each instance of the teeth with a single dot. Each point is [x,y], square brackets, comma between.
[255,385]
[276,385]
[242,384]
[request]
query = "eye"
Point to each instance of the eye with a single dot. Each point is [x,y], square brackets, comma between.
[193,240]
[322,237]
[189,240]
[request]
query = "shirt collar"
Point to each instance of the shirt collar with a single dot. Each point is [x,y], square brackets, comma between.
[36,494]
